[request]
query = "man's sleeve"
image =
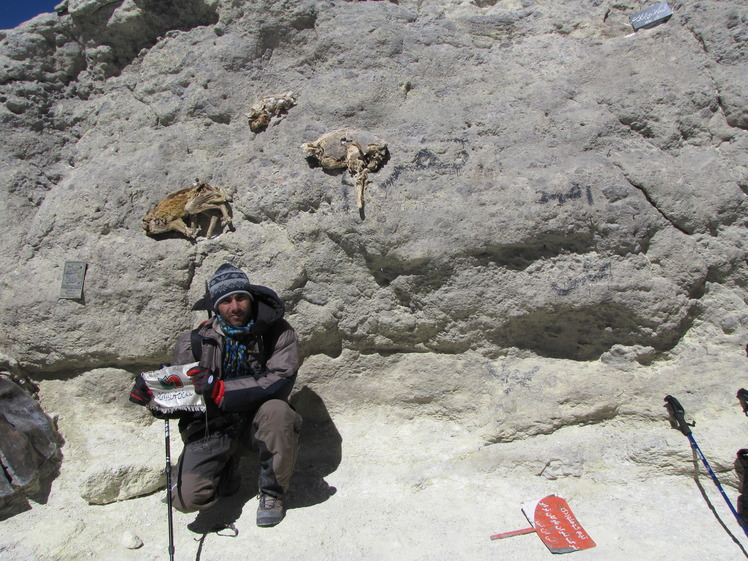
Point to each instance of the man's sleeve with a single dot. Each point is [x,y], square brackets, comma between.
[183,349]
[243,394]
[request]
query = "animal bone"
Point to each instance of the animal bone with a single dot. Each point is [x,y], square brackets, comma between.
[262,111]
[169,214]
[360,152]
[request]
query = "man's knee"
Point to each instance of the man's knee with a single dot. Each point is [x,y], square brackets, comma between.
[277,413]
[194,493]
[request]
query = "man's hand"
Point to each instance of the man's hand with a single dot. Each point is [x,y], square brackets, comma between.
[206,383]
[203,380]
[140,394]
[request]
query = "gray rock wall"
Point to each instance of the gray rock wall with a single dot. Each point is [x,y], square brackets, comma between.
[556,184]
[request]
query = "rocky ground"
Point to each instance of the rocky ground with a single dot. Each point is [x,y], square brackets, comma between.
[421,490]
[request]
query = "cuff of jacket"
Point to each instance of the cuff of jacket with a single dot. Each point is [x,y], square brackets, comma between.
[218,391]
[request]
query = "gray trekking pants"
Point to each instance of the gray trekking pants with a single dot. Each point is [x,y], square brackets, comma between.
[208,464]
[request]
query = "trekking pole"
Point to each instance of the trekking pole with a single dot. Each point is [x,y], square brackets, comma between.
[168,489]
[741,463]
[167,440]
[676,410]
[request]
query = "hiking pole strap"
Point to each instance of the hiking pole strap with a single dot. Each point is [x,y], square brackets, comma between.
[676,410]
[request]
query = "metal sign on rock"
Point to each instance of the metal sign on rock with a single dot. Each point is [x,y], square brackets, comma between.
[652,16]
[72,280]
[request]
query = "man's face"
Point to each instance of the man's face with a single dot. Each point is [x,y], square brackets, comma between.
[235,309]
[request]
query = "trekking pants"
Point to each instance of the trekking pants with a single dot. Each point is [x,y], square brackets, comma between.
[207,462]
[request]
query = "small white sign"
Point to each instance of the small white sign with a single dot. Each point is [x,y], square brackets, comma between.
[73,276]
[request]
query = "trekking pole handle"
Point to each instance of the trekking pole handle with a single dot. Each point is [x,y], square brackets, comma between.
[743,398]
[676,410]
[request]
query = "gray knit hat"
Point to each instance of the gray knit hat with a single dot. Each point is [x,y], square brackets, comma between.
[227,280]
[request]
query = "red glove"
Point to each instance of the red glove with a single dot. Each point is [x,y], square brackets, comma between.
[206,383]
[140,394]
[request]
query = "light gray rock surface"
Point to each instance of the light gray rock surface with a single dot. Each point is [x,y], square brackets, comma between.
[556,242]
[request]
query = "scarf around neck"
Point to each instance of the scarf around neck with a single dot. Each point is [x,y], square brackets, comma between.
[235,349]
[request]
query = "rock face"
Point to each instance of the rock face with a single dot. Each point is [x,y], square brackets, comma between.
[29,449]
[548,170]
[556,241]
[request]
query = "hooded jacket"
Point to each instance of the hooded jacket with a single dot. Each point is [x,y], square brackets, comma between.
[273,350]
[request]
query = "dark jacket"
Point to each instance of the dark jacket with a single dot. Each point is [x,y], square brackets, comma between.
[274,351]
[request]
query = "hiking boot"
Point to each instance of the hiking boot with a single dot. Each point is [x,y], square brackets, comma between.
[270,510]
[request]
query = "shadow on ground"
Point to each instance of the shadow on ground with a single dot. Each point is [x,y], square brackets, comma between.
[320,452]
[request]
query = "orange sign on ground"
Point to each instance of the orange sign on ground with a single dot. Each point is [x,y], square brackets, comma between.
[555,524]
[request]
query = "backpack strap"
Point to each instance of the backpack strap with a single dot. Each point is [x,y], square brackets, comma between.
[265,342]
[268,341]
[196,341]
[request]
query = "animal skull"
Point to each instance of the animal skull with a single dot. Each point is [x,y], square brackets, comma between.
[262,111]
[169,214]
[359,151]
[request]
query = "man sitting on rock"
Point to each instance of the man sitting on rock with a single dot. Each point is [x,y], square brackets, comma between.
[247,357]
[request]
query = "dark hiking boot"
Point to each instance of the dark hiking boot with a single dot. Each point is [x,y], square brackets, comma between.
[230,479]
[270,510]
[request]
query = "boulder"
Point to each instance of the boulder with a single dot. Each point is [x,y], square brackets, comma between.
[30,453]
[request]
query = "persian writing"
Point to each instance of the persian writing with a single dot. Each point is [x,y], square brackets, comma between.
[558,527]
[576,192]
[73,276]
[652,15]
[427,159]
[589,276]
[177,396]
[173,390]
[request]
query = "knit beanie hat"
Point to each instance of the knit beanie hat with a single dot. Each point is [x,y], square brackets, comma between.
[227,280]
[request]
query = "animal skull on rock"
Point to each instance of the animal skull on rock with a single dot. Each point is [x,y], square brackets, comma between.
[169,214]
[359,151]
[261,112]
